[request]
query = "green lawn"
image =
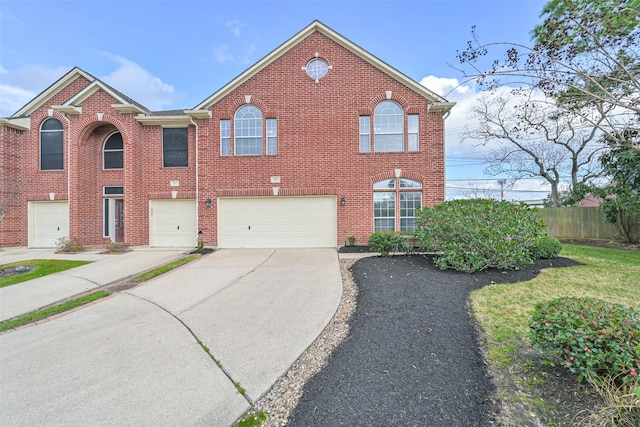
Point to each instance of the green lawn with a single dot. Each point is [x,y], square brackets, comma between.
[504,310]
[44,268]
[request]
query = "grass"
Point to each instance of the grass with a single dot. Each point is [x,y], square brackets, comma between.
[253,420]
[504,310]
[44,268]
[163,269]
[53,266]
[50,311]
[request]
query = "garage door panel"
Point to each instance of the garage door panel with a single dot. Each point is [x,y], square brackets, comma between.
[48,222]
[256,222]
[173,223]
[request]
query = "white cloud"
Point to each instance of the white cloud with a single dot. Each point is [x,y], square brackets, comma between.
[223,54]
[137,83]
[445,86]
[21,85]
[234,27]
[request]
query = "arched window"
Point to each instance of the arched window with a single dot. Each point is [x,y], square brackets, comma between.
[386,209]
[248,131]
[388,126]
[51,145]
[113,152]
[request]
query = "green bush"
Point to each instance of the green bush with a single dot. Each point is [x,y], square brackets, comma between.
[545,247]
[476,234]
[592,338]
[69,245]
[386,242]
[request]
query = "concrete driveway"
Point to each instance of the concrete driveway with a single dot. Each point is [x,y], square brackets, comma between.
[135,358]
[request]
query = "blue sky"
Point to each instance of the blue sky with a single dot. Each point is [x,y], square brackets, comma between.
[173,54]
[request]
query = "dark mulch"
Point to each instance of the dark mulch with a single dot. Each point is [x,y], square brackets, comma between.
[412,356]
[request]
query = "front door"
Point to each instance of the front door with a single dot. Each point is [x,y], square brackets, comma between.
[119,220]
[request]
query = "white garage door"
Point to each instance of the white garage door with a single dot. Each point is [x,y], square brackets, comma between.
[277,222]
[173,223]
[48,221]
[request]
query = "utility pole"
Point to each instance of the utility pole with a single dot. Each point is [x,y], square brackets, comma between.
[502,182]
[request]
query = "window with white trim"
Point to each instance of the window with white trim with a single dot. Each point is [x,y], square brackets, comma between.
[225,137]
[51,145]
[388,125]
[365,134]
[248,131]
[385,208]
[412,128]
[272,137]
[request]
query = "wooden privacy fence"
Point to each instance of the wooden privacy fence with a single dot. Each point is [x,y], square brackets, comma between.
[581,223]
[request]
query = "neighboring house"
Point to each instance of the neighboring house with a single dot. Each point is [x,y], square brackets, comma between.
[317,141]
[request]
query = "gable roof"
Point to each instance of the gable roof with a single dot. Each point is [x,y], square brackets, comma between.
[436,102]
[56,87]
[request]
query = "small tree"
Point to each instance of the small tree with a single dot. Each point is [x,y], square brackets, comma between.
[585,56]
[533,139]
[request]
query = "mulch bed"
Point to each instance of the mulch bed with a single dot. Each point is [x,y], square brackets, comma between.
[412,356]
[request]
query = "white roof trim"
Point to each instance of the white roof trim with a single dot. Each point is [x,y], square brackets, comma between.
[432,97]
[39,100]
[23,123]
[198,114]
[127,108]
[90,90]
[69,109]
[164,121]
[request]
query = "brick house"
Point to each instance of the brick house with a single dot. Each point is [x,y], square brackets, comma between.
[317,141]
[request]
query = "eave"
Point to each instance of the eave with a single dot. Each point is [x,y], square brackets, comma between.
[198,114]
[67,109]
[23,123]
[164,121]
[128,109]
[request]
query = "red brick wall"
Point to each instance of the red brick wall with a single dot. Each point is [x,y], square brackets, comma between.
[318,137]
[318,150]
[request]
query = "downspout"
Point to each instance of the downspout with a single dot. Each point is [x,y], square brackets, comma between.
[64,115]
[197,179]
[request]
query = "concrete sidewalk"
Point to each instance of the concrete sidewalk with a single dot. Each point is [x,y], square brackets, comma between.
[103,269]
[135,358]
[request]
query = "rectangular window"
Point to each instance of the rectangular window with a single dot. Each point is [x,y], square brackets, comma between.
[365,134]
[389,134]
[272,137]
[225,137]
[51,151]
[113,191]
[175,142]
[409,202]
[413,132]
[106,217]
[384,211]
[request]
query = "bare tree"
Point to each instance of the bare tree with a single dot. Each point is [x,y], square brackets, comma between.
[532,139]
[476,190]
[585,57]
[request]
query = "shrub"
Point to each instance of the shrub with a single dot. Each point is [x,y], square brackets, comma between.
[117,247]
[386,242]
[351,240]
[545,247]
[69,245]
[590,337]
[476,234]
